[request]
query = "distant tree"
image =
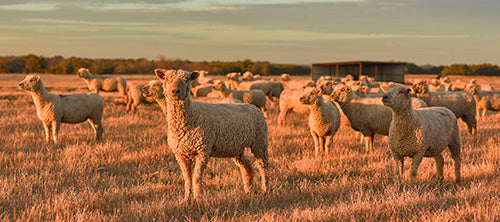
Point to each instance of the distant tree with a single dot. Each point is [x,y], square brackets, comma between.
[456,69]
[12,64]
[412,68]
[34,63]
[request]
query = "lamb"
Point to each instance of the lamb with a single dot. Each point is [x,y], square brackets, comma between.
[462,104]
[289,102]
[421,133]
[367,115]
[97,83]
[270,88]
[255,97]
[486,100]
[154,91]
[135,96]
[324,118]
[54,109]
[199,131]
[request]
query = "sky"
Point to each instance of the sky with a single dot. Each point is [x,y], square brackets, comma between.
[437,32]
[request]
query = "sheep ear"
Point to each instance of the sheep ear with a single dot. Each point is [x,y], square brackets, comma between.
[408,91]
[317,91]
[364,89]
[194,75]
[160,74]
[37,78]
[425,81]
[384,88]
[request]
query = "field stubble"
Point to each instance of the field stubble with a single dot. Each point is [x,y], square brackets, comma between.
[132,174]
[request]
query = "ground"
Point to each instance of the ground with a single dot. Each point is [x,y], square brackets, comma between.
[132,175]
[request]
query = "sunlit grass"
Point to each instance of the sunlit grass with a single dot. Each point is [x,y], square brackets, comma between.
[132,175]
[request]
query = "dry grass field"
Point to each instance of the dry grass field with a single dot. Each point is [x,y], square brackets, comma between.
[132,175]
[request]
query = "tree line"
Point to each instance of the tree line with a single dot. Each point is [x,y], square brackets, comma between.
[484,69]
[59,65]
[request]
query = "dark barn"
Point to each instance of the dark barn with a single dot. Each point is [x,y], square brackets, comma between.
[380,71]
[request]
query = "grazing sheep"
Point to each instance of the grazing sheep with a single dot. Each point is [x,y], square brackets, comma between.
[462,104]
[485,100]
[270,88]
[97,83]
[324,118]
[55,109]
[198,131]
[289,102]
[255,97]
[135,96]
[421,133]
[367,115]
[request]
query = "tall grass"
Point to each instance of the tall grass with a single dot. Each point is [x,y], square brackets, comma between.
[132,175]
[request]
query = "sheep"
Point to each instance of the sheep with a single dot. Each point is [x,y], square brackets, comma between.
[289,102]
[201,90]
[297,84]
[462,104]
[135,96]
[324,118]
[486,100]
[53,109]
[203,79]
[367,115]
[97,83]
[154,91]
[421,133]
[255,97]
[200,130]
[285,77]
[270,88]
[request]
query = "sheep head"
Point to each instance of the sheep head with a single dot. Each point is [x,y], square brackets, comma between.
[311,95]
[326,87]
[341,93]
[472,88]
[176,84]
[219,86]
[153,89]
[83,73]
[31,83]
[397,96]
[420,87]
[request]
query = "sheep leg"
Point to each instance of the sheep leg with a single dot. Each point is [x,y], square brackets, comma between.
[456,156]
[483,113]
[47,128]
[187,172]
[321,144]
[97,126]
[264,111]
[283,116]
[135,104]
[246,171]
[55,131]
[399,160]
[316,143]
[415,163]
[369,143]
[261,163]
[439,166]
[328,140]
[129,104]
[201,164]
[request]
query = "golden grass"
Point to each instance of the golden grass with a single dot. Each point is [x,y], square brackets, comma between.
[132,175]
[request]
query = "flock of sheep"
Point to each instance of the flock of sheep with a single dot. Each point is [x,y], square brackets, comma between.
[213,118]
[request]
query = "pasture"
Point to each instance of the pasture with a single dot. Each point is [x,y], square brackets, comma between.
[133,176]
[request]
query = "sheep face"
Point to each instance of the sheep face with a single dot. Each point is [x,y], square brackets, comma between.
[397,95]
[83,73]
[30,83]
[176,84]
[219,86]
[326,87]
[472,88]
[420,87]
[153,89]
[341,93]
[310,96]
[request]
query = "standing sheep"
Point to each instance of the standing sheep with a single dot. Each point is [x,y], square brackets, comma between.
[462,104]
[270,88]
[324,118]
[421,133]
[199,131]
[367,115]
[255,97]
[54,109]
[289,102]
[135,96]
[96,83]
[486,100]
